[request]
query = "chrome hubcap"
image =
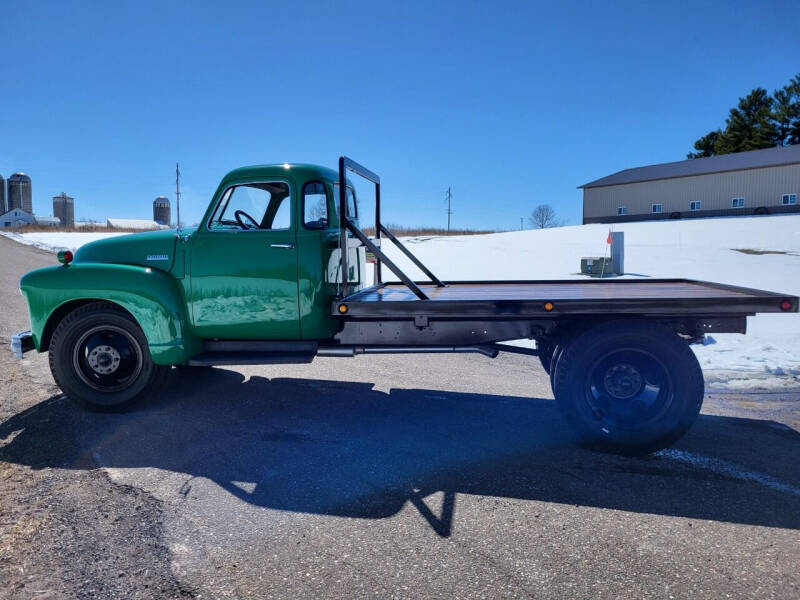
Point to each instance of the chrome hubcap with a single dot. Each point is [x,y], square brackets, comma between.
[103,360]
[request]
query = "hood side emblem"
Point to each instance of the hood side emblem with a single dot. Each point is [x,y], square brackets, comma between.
[158,257]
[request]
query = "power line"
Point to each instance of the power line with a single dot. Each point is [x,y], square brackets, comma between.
[449,212]
[178,194]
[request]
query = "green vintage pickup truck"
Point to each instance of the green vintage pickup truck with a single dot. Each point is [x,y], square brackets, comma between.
[276,272]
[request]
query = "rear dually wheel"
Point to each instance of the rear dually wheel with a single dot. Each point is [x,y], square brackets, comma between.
[631,387]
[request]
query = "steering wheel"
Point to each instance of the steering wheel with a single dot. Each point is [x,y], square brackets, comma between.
[238,216]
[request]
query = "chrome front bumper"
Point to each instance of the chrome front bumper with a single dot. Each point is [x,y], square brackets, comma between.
[21,342]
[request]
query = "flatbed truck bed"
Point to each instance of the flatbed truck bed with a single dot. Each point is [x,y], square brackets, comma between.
[551,298]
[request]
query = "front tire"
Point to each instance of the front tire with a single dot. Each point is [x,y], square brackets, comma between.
[630,387]
[99,357]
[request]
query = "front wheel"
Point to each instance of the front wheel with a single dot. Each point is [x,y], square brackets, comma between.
[99,357]
[631,387]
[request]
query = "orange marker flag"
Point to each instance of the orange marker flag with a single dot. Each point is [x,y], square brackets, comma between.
[608,239]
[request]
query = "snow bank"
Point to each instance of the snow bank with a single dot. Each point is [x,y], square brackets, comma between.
[58,240]
[767,357]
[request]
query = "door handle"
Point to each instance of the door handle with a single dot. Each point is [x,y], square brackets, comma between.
[286,246]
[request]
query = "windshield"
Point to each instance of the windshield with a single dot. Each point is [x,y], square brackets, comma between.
[253,206]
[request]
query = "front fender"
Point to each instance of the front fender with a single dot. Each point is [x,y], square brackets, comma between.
[151,296]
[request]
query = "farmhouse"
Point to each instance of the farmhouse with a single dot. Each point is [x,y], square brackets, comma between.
[744,183]
[16,217]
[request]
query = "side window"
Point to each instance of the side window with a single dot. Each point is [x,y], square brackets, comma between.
[352,205]
[252,206]
[315,205]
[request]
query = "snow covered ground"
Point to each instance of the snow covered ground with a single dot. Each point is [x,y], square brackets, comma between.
[767,357]
[58,240]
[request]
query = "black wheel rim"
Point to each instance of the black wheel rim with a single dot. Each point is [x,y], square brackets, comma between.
[628,388]
[107,358]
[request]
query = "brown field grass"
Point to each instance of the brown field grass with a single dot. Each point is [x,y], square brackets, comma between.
[404,231]
[398,230]
[39,228]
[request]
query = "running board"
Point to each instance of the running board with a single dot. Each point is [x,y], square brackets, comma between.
[244,357]
[254,352]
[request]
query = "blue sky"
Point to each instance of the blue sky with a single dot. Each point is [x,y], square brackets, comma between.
[512,104]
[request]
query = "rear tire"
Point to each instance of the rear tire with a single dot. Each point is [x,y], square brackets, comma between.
[630,387]
[557,352]
[99,357]
[545,355]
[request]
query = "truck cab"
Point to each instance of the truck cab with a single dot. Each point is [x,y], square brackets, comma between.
[264,262]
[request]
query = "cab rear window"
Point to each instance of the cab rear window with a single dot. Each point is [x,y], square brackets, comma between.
[352,205]
[315,205]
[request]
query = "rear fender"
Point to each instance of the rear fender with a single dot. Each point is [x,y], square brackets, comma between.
[151,296]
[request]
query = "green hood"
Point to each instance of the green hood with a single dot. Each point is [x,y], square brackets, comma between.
[150,249]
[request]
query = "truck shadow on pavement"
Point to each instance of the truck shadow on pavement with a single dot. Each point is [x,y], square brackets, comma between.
[343,448]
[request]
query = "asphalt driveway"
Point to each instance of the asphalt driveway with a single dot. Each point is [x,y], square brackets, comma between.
[421,476]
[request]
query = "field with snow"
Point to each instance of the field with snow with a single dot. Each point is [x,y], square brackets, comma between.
[707,249]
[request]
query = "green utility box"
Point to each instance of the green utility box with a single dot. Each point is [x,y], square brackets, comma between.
[597,266]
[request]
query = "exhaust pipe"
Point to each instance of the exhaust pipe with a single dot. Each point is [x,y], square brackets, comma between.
[353,350]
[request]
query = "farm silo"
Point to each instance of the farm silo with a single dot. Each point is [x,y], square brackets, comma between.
[161,211]
[20,194]
[64,209]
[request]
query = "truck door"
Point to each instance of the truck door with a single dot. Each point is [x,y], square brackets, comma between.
[244,265]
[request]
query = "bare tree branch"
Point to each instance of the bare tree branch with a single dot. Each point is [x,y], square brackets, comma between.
[544,216]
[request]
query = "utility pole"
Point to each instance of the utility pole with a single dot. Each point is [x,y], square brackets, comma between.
[178,194]
[449,212]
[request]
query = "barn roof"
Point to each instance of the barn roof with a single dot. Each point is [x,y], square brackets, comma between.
[134,224]
[754,159]
[47,220]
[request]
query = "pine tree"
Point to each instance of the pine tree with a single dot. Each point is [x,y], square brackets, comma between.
[750,126]
[705,145]
[784,111]
[758,121]
[787,112]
